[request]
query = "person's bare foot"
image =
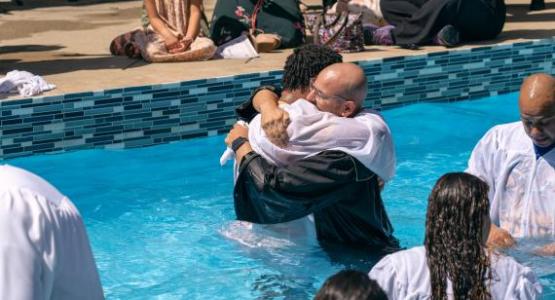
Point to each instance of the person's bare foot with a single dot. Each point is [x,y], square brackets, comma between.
[266,42]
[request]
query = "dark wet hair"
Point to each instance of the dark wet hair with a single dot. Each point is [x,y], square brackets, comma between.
[350,285]
[457,209]
[305,63]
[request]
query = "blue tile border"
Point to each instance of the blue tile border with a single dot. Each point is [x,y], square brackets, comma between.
[153,114]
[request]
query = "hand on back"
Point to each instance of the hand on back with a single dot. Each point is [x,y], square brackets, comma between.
[275,123]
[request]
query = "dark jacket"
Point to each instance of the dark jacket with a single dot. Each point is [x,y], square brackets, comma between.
[343,195]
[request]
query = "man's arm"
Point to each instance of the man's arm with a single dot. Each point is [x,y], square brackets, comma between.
[237,131]
[547,250]
[268,194]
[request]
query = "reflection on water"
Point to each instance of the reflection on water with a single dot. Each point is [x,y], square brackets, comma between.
[543,266]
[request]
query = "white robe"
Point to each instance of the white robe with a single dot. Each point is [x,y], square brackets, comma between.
[44,249]
[405,275]
[365,137]
[522,188]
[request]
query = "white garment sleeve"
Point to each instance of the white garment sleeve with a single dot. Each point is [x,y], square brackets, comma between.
[528,286]
[24,273]
[482,163]
[385,275]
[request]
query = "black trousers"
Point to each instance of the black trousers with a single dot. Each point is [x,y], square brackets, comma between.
[418,21]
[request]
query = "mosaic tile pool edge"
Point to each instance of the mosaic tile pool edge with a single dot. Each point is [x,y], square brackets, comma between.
[148,115]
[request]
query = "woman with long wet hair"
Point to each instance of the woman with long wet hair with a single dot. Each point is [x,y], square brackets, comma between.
[454,262]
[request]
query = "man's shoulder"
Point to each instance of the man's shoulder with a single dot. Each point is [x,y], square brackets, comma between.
[509,135]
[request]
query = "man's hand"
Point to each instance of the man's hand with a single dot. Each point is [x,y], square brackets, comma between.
[275,122]
[500,238]
[547,250]
[235,132]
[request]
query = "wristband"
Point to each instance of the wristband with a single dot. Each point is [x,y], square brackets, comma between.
[237,143]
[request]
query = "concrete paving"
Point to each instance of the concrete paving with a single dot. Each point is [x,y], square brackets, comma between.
[67,43]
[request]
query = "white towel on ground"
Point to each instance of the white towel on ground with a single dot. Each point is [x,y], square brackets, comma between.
[27,84]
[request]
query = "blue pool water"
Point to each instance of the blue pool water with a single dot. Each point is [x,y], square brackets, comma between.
[154,215]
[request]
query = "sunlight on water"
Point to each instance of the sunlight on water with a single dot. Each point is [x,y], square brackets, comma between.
[155,215]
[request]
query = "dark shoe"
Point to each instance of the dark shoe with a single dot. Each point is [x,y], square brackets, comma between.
[448,36]
[368,32]
[537,5]
[409,46]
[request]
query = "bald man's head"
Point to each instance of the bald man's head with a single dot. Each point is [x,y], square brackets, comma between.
[537,108]
[340,89]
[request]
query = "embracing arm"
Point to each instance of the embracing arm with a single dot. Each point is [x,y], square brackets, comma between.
[546,250]
[268,194]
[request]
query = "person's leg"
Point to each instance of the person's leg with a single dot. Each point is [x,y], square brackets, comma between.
[479,20]
[395,12]
[425,22]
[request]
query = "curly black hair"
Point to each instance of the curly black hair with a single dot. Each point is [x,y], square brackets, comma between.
[457,209]
[350,285]
[305,63]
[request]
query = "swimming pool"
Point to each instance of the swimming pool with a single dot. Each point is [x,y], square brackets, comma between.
[154,214]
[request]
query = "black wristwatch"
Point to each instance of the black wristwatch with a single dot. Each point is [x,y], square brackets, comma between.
[237,143]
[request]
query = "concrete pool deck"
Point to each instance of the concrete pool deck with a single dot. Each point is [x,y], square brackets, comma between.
[67,43]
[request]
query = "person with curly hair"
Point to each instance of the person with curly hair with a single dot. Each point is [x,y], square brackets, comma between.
[454,262]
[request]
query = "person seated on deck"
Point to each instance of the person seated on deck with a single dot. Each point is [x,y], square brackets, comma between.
[330,186]
[454,262]
[517,160]
[413,23]
[170,33]
[350,285]
[271,24]
[44,249]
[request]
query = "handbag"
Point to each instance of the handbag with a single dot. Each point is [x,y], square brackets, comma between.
[342,33]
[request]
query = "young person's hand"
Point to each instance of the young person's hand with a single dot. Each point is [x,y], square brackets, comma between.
[500,238]
[186,43]
[275,122]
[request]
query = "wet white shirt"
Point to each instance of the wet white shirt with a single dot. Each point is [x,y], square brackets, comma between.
[522,188]
[44,249]
[365,137]
[405,275]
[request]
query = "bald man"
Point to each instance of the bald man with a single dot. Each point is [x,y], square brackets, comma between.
[518,162]
[319,178]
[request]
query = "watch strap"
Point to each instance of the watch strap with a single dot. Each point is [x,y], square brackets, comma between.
[237,143]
